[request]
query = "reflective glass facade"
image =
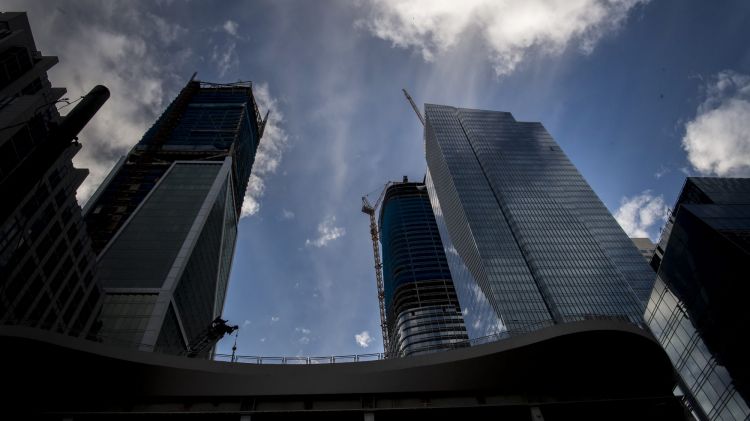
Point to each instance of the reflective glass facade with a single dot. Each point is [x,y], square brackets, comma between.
[696,309]
[421,304]
[532,244]
[165,221]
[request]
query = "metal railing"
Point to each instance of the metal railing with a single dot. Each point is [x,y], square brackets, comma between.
[333,359]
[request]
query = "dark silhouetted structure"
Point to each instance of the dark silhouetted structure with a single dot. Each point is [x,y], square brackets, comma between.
[164,222]
[696,310]
[47,273]
[423,313]
[590,370]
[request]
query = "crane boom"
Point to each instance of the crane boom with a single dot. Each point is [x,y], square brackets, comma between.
[414,106]
[370,211]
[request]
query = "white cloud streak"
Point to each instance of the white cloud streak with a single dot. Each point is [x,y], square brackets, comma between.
[640,214]
[363,339]
[717,140]
[327,232]
[268,156]
[131,51]
[509,29]
[225,58]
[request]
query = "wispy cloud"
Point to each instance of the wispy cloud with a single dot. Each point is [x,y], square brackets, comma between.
[287,214]
[268,156]
[224,57]
[640,214]
[305,338]
[274,319]
[363,339]
[509,29]
[231,27]
[717,140]
[123,46]
[327,232]
[661,172]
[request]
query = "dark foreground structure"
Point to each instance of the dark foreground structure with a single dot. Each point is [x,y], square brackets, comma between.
[47,265]
[697,307]
[584,370]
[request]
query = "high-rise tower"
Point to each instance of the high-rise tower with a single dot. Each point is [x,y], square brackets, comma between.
[528,241]
[423,313]
[47,274]
[164,222]
[696,309]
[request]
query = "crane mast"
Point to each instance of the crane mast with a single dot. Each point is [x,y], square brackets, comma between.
[374,234]
[370,210]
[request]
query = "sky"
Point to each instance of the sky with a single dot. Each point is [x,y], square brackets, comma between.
[638,93]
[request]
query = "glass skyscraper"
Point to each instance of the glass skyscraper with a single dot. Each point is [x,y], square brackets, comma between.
[164,223]
[421,305]
[528,242]
[696,309]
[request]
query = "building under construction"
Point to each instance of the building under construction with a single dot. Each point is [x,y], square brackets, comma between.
[420,307]
[164,222]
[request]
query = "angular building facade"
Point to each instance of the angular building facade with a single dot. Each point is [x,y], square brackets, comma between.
[422,309]
[47,266]
[164,223]
[646,247]
[696,309]
[528,242]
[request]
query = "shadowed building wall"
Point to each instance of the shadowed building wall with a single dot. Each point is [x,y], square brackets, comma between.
[697,307]
[47,273]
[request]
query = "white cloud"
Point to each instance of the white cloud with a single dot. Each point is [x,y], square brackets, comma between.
[274,319]
[287,214]
[717,140]
[246,323]
[262,339]
[134,53]
[661,172]
[363,339]
[231,27]
[255,189]
[269,153]
[304,339]
[509,29]
[225,58]
[638,215]
[327,232]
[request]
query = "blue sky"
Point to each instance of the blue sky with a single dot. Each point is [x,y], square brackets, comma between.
[639,94]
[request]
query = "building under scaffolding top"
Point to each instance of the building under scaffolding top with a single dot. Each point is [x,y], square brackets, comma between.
[164,222]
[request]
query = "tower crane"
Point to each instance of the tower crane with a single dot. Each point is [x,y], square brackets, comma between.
[370,210]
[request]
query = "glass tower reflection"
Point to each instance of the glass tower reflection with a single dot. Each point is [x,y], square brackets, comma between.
[528,242]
